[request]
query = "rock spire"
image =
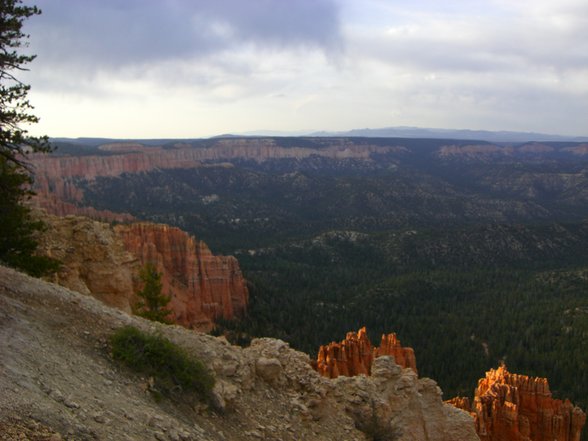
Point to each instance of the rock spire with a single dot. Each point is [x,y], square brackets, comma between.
[355,355]
[513,407]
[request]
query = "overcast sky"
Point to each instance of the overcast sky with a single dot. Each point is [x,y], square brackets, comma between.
[199,68]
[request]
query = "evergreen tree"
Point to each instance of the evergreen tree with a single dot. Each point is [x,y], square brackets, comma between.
[14,106]
[153,303]
[18,228]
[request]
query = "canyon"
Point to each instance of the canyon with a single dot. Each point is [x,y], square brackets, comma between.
[79,178]
[425,237]
[104,261]
[57,175]
[58,178]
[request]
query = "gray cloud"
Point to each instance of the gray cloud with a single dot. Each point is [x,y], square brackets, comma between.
[495,64]
[102,34]
[525,35]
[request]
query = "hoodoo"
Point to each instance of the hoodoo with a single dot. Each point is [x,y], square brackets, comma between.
[512,407]
[355,355]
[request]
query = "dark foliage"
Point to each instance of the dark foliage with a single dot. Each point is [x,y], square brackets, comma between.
[14,106]
[175,373]
[153,303]
[18,228]
[462,316]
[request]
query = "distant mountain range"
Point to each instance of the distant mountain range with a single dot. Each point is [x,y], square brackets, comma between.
[386,132]
[431,133]
[482,135]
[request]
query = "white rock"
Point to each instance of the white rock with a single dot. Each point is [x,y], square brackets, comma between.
[270,369]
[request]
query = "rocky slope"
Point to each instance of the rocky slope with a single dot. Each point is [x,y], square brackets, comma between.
[59,382]
[355,355]
[512,407]
[104,261]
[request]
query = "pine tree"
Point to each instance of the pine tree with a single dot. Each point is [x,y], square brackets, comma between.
[17,226]
[153,305]
[15,108]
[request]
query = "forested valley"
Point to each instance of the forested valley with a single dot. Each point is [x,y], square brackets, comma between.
[474,255]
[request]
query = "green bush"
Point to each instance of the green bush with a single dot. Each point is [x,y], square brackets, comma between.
[173,371]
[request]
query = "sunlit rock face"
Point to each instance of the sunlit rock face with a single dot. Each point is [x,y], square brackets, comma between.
[512,407]
[203,287]
[104,261]
[355,355]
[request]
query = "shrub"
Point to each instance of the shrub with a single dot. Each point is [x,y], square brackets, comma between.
[171,369]
[375,427]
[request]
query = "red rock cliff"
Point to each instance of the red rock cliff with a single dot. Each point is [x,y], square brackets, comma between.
[355,355]
[203,287]
[104,262]
[512,407]
[58,176]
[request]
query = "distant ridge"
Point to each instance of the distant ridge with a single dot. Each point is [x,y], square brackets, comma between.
[94,142]
[385,132]
[481,135]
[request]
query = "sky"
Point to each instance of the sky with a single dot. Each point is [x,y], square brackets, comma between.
[200,68]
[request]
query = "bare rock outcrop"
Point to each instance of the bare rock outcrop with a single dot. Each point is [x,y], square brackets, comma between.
[394,402]
[355,355]
[104,261]
[513,407]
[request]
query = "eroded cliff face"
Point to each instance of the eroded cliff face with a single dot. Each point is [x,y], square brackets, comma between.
[203,286]
[59,175]
[355,355]
[104,261]
[512,407]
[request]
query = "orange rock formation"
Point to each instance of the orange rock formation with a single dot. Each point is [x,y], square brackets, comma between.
[390,345]
[511,407]
[355,355]
[203,287]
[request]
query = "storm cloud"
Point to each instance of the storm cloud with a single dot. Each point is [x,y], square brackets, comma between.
[102,34]
[218,66]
